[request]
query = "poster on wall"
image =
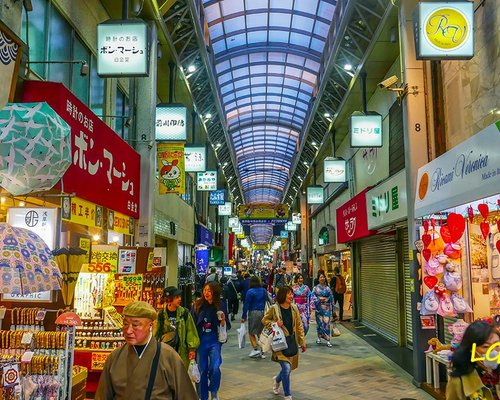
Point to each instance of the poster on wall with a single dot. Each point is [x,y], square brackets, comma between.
[171,174]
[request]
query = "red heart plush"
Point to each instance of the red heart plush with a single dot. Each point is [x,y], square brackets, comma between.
[498,245]
[430,281]
[470,212]
[427,254]
[426,238]
[456,224]
[484,210]
[445,234]
[426,225]
[485,229]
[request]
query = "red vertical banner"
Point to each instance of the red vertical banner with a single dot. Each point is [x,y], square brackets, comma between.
[230,246]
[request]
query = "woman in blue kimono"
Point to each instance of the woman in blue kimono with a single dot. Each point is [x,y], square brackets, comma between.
[302,299]
[322,301]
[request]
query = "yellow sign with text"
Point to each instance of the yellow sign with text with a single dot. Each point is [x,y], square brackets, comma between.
[98,360]
[447,28]
[104,258]
[263,211]
[82,212]
[171,173]
[85,245]
[122,223]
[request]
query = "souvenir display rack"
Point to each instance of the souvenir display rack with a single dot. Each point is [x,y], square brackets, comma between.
[103,333]
[43,359]
[152,288]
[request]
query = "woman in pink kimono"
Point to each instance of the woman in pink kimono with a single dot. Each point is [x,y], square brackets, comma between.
[301,298]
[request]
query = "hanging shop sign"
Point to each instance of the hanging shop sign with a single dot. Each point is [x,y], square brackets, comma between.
[103,258]
[366,130]
[234,222]
[171,168]
[470,171]
[195,158]
[386,202]
[202,257]
[104,168]
[290,226]
[334,171]
[217,197]
[444,30]
[296,218]
[203,235]
[123,224]
[123,48]
[352,219]
[42,221]
[263,211]
[171,122]
[207,180]
[81,211]
[315,195]
[127,261]
[226,209]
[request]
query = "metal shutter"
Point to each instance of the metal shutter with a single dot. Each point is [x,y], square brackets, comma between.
[379,289]
[408,285]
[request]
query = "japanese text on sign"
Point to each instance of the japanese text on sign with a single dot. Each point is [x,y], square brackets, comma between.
[98,360]
[385,202]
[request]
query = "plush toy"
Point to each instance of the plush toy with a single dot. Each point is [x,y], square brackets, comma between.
[453,250]
[452,277]
[457,329]
[436,246]
[446,308]
[460,304]
[440,289]
[436,345]
[433,267]
[430,303]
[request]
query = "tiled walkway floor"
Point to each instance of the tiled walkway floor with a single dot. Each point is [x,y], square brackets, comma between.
[351,369]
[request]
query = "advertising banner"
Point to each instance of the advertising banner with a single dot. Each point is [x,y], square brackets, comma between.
[81,211]
[171,168]
[263,211]
[105,169]
[103,258]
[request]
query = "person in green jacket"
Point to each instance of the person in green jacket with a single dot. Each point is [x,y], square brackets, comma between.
[175,326]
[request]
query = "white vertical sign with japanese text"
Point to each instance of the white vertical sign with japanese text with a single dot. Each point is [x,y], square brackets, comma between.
[387,203]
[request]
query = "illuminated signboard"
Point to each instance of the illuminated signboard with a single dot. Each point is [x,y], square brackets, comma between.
[171,123]
[444,30]
[366,130]
[122,48]
[195,158]
[334,170]
[315,195]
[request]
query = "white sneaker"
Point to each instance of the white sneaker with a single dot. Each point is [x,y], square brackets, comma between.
[276,386]
[329,344]
[288,398]
[262,355]
[254,353]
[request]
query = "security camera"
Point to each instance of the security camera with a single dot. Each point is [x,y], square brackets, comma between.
[386,83]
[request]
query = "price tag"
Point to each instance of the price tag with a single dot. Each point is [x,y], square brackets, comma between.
[40,315]
[27,356]
[27,338]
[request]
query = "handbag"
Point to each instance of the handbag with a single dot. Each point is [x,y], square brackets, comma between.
[222,333]
[279,339]
[266,339]
[194,371]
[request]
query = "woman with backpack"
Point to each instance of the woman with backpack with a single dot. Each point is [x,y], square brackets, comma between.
[339,287]
[175,326]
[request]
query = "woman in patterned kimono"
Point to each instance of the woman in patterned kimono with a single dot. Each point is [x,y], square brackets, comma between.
[301,298]
[322,301]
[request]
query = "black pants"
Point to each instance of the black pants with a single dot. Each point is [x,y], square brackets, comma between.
[233,306]
[340,298]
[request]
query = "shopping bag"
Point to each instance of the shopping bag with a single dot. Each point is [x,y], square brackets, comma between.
[194,371]
[279,338]
[222,334]
[242,333]
[266,339]
[335,330]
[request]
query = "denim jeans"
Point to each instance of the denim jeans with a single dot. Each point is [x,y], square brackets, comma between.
[284,376]
[209,362]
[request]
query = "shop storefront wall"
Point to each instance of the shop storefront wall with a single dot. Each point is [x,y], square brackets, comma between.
[471,86]
[171,208]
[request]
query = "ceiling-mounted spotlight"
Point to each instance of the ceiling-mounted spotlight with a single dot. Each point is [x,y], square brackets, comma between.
[191,68]
[348,67]
[208,116]
[327,115]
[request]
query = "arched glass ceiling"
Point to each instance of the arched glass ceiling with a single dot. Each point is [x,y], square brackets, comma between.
[267,57]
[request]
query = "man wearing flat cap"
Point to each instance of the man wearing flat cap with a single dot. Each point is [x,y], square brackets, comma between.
[143,369]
